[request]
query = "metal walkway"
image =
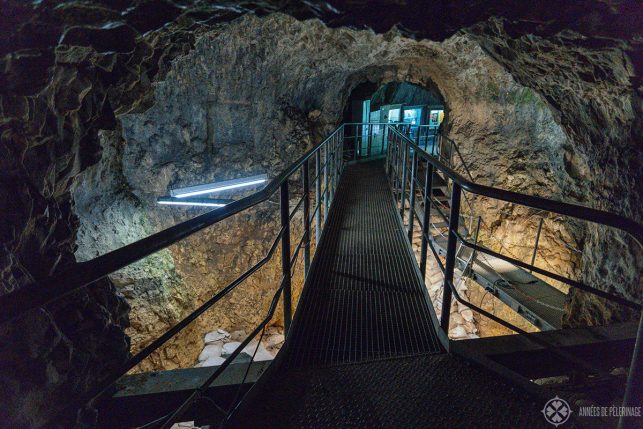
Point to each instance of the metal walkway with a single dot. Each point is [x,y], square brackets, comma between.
[364,298]
[363,350]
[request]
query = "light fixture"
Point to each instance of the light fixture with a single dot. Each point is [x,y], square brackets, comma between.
[209,188]
[202,202]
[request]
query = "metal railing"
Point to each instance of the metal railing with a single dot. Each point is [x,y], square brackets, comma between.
[448,152]
[327,162]
[402,151]
[348,142]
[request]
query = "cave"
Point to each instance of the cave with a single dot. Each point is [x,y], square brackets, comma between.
[110,110]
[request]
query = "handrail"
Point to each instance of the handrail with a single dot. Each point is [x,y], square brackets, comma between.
[283,236]
[531,267]
[633,228]
[84,273]
[105,384]
[81,274]
[579,212]
[574,283]
[200,391]
[402,144]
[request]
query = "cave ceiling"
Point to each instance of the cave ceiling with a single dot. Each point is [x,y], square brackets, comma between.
[39,26]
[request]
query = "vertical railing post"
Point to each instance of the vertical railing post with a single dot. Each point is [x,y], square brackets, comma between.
[449,266]
[336,161]
[387,163]
[343,135]
[318,202]
[395,170]
[341,157]
[340,160]
[369,146]
[476,236]
[386,160]
[331,168]
[396,159]
[306,219]
[450,154]
[403,184]
[357,147]
[472,259]
[412,196]
[426,221]
[285,254]
[325,205]
[533,257]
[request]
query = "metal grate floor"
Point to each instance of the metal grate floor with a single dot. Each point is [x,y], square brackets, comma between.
[431,391]
[364,299]
[362,352]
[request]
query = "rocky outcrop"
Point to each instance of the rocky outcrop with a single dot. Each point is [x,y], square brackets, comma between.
[587,83]
[54,98]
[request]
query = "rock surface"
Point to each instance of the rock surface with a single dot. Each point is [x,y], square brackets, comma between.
[54,99]
[588,89]
[220,345]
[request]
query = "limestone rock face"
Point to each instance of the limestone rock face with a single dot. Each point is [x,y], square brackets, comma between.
[588,89]
[71,69]
[54,98]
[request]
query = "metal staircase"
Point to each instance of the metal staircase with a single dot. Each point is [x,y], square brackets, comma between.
[529,296]
[365,348]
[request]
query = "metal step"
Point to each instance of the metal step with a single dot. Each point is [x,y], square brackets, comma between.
[535,300]
[438,182]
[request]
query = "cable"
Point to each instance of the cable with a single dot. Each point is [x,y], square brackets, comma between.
[205,398]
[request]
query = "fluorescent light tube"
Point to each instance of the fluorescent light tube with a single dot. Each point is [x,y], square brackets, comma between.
[209,188]
[202,202]
[187,203]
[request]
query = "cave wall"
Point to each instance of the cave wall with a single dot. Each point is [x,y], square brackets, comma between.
[55,94]
[587,84]
[403,93]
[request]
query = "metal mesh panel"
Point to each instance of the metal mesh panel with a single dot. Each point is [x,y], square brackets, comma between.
[363,300]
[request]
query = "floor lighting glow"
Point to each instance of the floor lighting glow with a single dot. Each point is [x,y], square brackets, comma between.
[209,188]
